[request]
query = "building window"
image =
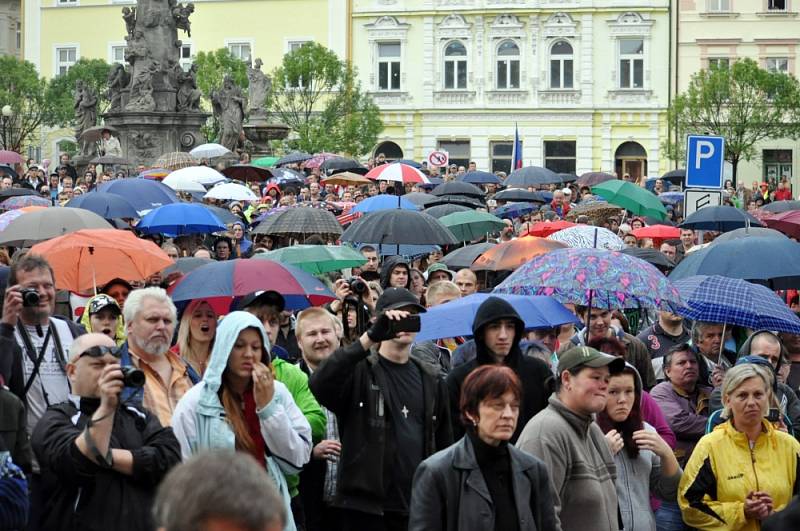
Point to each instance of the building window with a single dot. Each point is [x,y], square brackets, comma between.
[186,56]
[240,50]
[455,66]
[389,66]
[118,54]
[561,65]
[65,58]
[719,62]
[777,64]
[501,156]
[777,164]
[559,156]
[296,83]
[776,5]
[508,65]
[719,6]
[67,2]
[631,63]
[458,151]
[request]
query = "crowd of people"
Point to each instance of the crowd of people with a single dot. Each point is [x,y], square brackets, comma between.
[143,414]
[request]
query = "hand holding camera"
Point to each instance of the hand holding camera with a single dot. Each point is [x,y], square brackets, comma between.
[110,385]
[16,299]
[392,322]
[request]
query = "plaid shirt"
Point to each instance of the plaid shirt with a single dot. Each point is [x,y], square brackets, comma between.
[332,470]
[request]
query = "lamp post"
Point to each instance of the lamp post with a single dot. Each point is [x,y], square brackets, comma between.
[7,113]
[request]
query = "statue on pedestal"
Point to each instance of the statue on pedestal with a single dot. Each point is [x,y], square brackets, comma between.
[118,79]
[142,90]
[188,93]
[229,104]
[260,85]
[85,115]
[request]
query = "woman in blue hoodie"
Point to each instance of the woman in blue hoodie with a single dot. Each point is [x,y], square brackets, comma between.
[239,405]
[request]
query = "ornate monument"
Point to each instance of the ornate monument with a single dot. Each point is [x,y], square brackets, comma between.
[258,130]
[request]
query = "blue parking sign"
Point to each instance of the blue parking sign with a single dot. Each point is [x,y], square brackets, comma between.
[705,159]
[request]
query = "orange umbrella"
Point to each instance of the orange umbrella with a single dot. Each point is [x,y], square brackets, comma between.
[543,229]
[83,259]
[512,254]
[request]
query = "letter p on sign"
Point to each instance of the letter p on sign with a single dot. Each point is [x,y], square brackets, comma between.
[705,156]
[705,150]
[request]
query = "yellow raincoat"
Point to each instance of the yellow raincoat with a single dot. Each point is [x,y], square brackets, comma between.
[120,335]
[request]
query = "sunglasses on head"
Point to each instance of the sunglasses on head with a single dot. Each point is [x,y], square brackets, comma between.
[99,352]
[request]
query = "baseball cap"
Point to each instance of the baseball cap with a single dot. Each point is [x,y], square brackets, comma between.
[101,302]
[117,282]
[396,298]
[268,297]
[589,357]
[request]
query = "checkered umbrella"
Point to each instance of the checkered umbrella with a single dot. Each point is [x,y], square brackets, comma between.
[300,221]
[175,161]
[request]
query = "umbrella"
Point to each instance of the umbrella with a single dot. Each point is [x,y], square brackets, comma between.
[734,301]
[382,202]
[593,277]
[85,259]
[461,200]
[223,214]
[49,223]
[513,210]
[316,160]
[543,229]
[265,162]
[346,178]
[179,219]
[719,218]
[247,172]
[636,199]
[175,161]
[143,194]
[458,188]
[440,211]
[651,256]
[8,217]
[316,259]
[749,232]
[286,176]
[300,221]
[16,192]
[777,207]
[397,226]
[95,134]
[455,318]
[593,178]
[199,174]
[406,250]
[589,237]
[154,173]
[787,222]
[480,177]
[107,206]
[7,170]
[395,172]
[232,192]
[657,232]
[293,158]
[769,261]
[186,264]
[471,225]
[518,194]
[671,198]
[464,257]
[209,151]
[532,176]
[337,164]
[111,160]
[183,183]
[675,176]
[510,255]
[220,282]
[22,201]
[419,198]
[10,157]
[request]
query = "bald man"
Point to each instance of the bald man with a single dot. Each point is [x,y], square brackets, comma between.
[467,282]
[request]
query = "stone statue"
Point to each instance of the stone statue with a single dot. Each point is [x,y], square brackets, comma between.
[260,85]
[136,48]
[142,90]
[118,79]
[181,15]
[129,16]
[145,145]
[85,114]
[229,105]
[188,93]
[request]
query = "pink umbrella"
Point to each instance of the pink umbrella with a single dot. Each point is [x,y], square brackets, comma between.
[10,157]
[317,160]
[397,172]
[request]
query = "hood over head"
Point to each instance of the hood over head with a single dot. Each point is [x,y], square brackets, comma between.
[120,333]
[388,265]
[491,310]
[745,349]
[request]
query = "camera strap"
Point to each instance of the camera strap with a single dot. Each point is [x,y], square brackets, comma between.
[32,355]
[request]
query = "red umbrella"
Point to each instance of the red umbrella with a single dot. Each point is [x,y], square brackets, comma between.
[786,222]
[543,229]
[397,172]
[10,157]
[661,232]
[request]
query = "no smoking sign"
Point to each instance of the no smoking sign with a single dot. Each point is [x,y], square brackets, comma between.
[438,158]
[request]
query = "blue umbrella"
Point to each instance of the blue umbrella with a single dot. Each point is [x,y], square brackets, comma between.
[455,318]
[143,194]
[179,219]
[720,218]
[734,301]
[480,177]
[671,198]
[514,210]
[107,206]
[383,202]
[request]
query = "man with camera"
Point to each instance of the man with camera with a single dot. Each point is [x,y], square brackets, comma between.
[101,458]
[392,411]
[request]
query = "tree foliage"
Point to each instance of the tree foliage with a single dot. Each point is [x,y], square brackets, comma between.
[61,90]
[743,103]
[24,91]
[212,67]
[319,97]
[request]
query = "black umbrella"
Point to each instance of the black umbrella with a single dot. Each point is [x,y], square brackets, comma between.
[676,177]
[532,176]
[651,256]
[288,177]
[462,200]
[293,158]
[224,215]
[719,218]
[247,172]
[781,206]
[187,264]
[519,194]
[463,257]
[653,221]
[419,198]
[398,227]
[593,178]
[339,164]
[458,188]
[8,170]
[16,192]
[439,211]
[300,221]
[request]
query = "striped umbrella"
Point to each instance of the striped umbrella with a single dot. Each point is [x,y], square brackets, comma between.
[154,173]
[396,172]
[175,161]
[588,237]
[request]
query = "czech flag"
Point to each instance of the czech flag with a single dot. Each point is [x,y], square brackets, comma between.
[516,153]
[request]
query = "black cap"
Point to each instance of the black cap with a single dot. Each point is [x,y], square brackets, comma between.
[396,298]
[259,298]
[101,302]
[117,281]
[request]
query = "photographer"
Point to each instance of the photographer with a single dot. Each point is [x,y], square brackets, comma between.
[352,306]
[101,459]
[392,412]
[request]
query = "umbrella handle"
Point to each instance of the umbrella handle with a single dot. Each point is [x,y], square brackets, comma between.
[94,276]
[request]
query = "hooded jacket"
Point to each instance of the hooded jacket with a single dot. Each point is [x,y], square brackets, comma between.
[534,374]
[199,419]
[386,270]
[119,334]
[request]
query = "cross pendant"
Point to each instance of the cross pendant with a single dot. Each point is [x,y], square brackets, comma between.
[404,411]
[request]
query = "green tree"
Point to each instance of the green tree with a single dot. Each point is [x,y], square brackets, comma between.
[23,90]
[319,97]
[61,90]
[212,67]
[743,103]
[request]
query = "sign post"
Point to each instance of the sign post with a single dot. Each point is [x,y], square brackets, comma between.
[438,158]
[705,166]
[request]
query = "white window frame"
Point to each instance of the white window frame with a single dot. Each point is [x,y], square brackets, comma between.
[631,66]
[67,3]
[289,47]
[111,47]
[561,60]
[718,6]
[508,59]
[458,62]
[770,63]
[186,63]
[390,62]
[57,64]
[240,42]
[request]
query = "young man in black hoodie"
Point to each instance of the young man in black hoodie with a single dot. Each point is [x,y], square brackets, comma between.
[395,273]
[497,330]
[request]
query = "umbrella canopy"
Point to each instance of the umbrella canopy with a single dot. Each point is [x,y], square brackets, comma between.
[455,318]
[513,210]
[769,261]
[107,206]
[232,192]
[286,177]
[658,232]
[49,223]
[464,257]
[303,221]
[471,225]
[8,217]
[543,229]
[346,178]
[588,237]
[606,278]
[199,174]
[95,134]
[220,282]
[398,226]
[512,254]
[337,164]
[154,173]
[22,201]
[16,192]
[636,199]
[209,151]
[777,207]
[593,178]
[787,222]
[293,158]
[247,172]
[183,183]
[175,161]
[518,194]
[440,211]
[532,176]
[651,256]
[749,232]
[179,219]
[671,198]
[186,264]
[396,172]
[480,177]
[734,301]
[10,157]
[317,159]
[458,188]
[719,218]
[111,160]
[85,259]
[223,214]
[8,170]
[143,194]
[316,259]
[462,200]
[419,198]
[265,162]
[382,202]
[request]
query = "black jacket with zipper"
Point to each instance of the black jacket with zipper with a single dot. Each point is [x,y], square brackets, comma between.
[350,383]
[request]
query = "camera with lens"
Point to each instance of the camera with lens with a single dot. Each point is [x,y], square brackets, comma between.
[357,286]
[132,377]
[30,297]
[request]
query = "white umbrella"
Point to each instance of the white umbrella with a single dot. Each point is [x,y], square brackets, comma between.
[209,151]
[200,174]
[182,183]
[232,192]
[587,237]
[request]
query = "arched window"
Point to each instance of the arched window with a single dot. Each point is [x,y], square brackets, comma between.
[455,66]
[508,65]
[561,61]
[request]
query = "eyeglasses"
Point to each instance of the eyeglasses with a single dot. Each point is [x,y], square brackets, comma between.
[99,352]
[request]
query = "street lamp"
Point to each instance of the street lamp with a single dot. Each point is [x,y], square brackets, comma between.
[7,113]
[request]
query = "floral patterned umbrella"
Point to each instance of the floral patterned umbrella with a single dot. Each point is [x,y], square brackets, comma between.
[594,277]
[14,203]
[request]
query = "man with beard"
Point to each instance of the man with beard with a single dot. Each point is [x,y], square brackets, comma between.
[150,319]
[661,336]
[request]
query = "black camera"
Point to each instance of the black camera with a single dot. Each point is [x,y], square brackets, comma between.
[132,377]
[30,297]
[357,286]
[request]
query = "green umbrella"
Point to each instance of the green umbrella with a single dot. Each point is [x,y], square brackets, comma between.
[640,201]
[265,162]
[316,259]
[471,224]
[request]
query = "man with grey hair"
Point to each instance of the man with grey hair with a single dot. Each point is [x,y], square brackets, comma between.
[150,318]
[708,339]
